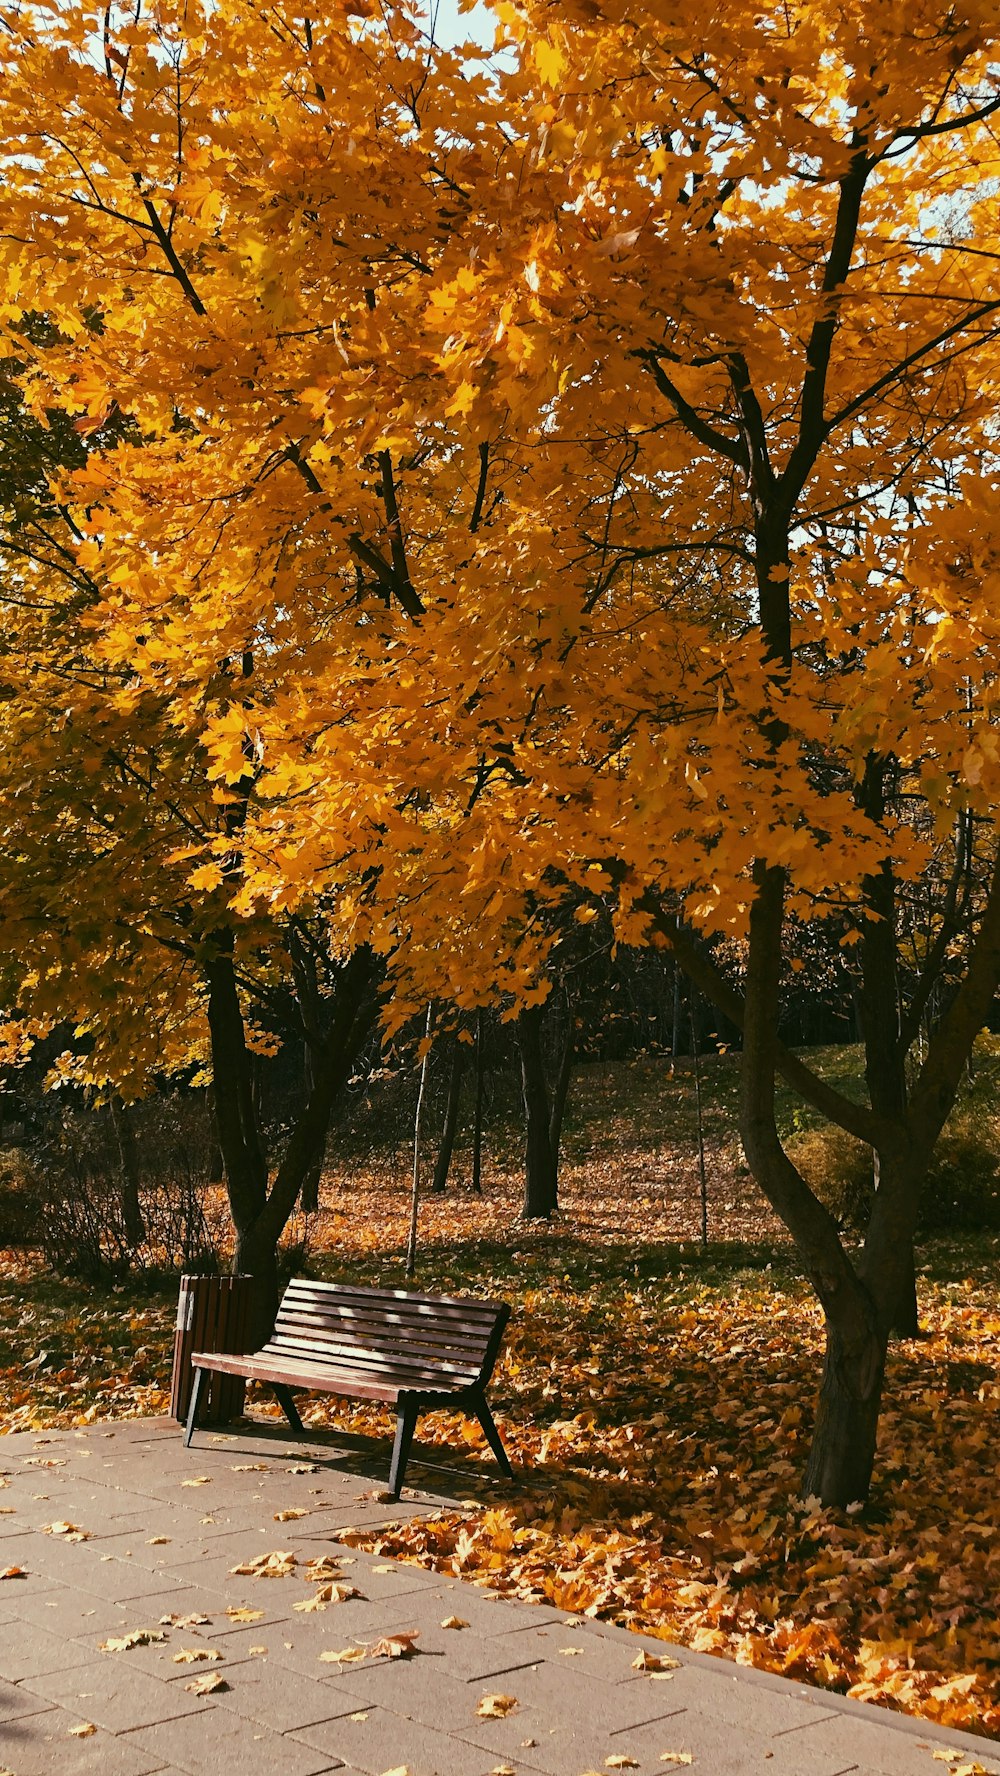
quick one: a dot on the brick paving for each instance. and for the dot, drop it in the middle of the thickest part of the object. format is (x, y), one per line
(165, 1527)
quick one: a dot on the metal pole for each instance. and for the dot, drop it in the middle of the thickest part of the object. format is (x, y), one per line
(411, 1244)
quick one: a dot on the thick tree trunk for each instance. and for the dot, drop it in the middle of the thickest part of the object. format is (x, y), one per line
(842, 1455)
(310, 1183)
(128, 1154)
(260, 1216)
(540, 1184)
(447, 1147)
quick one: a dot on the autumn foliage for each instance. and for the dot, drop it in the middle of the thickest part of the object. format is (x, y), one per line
(512, 484)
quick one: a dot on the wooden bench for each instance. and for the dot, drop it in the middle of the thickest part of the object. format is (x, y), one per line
(415, 1351)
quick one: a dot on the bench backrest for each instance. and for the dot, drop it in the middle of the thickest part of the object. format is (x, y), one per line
(412, 1340)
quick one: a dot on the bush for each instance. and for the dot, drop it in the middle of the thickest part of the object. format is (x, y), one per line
(19, 1202)
(960, 1193)
(90, 1223)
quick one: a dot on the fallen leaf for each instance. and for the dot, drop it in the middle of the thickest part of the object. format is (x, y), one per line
(503, 1770)
(291, 1514)
(133, 1637)
(249, 1467)
(676, 1757)
(157, 1541)
(495, 1707)
(83, 1731)
(396, 1646)
(303, 1468)
(621, 1761)
(335, 1592)
(255, 1652)
(240, 1613)
(13, 1572)
(207, 1685)
(346, 1656)
(192, 1621)
(570, 1652)
(360, 1716)
(454, 1622)
(278, 1565)
(323, 1566)
(68, 1532)
(200, 1480)
(196, 1655)
(400, 1770)
(654, 1662)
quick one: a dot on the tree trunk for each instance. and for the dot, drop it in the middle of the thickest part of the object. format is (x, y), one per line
(540, 1189)
(477, 1124)
(215, 1164)
(448, 1133)
(260, 1216)
(128, 1153)
(842, 1455)
(310, 1183)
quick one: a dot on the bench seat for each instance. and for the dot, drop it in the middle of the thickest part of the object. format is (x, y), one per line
(412, 1351)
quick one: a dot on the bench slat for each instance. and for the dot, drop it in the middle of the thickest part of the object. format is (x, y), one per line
(366, 1362)
(370, 1332)
(400, 1299)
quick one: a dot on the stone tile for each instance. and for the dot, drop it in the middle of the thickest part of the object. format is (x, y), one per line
(85, 1567)
(568, 1697)
(15, 1702)
(218, 1739)
(486, 1611)
(385, 1741)
(716, 1748)
(44, 1745)
(12, 1526)
(732, 1696)
(109, 1692)
(418, 1688)
(265, 1691)
(75, 1614)
(872, 1746)
(29, 1651)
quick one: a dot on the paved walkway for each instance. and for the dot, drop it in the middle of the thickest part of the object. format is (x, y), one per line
(165, 1527)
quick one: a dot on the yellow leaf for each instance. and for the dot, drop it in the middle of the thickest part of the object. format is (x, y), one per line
(206, 1686)
(83, 1731)
(195, 1655)
(496, 1706)
(676, 1757)
(454, 1622)
(240, 1613)
(654, 1662)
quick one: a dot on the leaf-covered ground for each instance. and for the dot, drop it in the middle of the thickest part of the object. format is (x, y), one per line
(658, 1402)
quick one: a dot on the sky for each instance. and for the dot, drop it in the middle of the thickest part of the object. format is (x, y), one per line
(455, 28)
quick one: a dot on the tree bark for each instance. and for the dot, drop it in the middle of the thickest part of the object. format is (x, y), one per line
(310, 1183)
(540, 1182)
(447, 1146)
(842, 1454)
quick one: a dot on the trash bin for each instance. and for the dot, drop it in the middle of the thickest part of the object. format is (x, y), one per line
(213, 1314)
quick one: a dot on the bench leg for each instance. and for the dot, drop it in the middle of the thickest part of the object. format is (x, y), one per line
(405, 1426)
(486, 1419)
(192, 1417)
(287, 1403)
